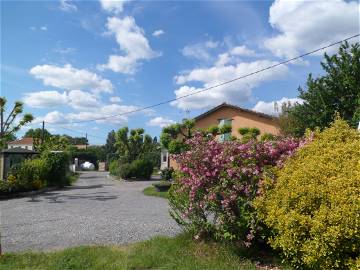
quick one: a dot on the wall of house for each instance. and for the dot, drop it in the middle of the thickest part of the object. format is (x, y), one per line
(23, 146)
(239, 119)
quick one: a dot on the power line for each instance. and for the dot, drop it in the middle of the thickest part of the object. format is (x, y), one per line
(79, 132)
(217, 85)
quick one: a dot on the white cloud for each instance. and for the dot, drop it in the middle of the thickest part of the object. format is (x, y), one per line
(67, 77)
(115, 6)
(232, 56)
(200, 51)
(273, 107)
(81, 100)
(133, 44)
(160, 122)
(77, 99)
(307, 25)
(115, 99)
(158, 33)
(54, 117)
(242, 51)
(67, 6)
(235, 92)
(44, 99)
(40, 28)
(111, 111)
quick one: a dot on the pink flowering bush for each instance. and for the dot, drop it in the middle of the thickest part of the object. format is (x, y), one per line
(217, 182)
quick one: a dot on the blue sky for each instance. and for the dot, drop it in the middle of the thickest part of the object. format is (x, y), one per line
(72, 61)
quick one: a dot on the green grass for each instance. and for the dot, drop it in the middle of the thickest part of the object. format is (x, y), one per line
(162, 253)
(151, 191)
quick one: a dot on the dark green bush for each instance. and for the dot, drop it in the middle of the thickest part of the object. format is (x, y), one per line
(114, 167)
(58, 165)
(140, 168)
(267, 137)
(125, 171)
(167, 174)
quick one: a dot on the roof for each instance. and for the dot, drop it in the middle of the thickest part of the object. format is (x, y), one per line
(226, 105)
(25, 140)
(18, 150)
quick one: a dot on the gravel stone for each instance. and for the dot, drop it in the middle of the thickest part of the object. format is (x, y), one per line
(96, 210)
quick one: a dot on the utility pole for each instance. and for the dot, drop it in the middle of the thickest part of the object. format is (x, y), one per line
(43, 133)
(86, 141)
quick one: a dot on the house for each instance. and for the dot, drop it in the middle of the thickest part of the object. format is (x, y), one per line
(232, 115)
(24, 143)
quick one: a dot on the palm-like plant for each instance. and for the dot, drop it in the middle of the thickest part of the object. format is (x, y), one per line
(7, 125)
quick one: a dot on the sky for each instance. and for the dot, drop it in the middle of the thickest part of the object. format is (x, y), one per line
(74, 61)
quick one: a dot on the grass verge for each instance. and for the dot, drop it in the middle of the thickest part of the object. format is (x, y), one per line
(178, 253)
(151, 191)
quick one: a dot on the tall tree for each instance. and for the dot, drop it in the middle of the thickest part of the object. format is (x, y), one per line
(336, 91)
(134, 144)
(110, 143)
(7, 125)
(173, 136)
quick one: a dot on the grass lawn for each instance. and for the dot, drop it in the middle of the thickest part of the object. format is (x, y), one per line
(176, 253)
(151, 191)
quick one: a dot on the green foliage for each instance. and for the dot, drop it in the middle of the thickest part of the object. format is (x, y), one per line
(313, 205)
(176, 146)
(50, 169)
(267, 137)
(251, 131)
(173, 136)
(336, 91)
(142, 169)
(152, 191)
(7, 126)
(134, 144)
(125, 171)
(139, 169)
(213, 130)
(31, 174)
(110, 143)
(58, 166)
(248, 134)
(165, 253)
(225, 129)
(167, 174)
(114, 167)
(53, 143)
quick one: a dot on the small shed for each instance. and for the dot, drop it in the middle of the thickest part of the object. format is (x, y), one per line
(10, 157)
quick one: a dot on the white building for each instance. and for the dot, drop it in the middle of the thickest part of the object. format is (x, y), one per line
(24, 143)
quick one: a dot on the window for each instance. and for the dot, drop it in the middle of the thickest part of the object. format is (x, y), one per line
(225, 136)
(26, 147)
(164, 157)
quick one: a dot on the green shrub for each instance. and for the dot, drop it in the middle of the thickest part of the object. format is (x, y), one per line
(313, 207)
(140, 168)
(28, 175)
(167, 173)
(114, 167)
(58, 165)
(267, 137)
(125, 171)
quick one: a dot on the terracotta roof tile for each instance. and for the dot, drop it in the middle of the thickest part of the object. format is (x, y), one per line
(22, 141)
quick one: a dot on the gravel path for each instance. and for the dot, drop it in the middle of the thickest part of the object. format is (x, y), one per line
(97, 210)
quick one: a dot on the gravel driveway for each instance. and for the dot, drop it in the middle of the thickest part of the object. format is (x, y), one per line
(97, 210)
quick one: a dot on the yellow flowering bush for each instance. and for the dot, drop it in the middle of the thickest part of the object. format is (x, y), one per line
(312, 204)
